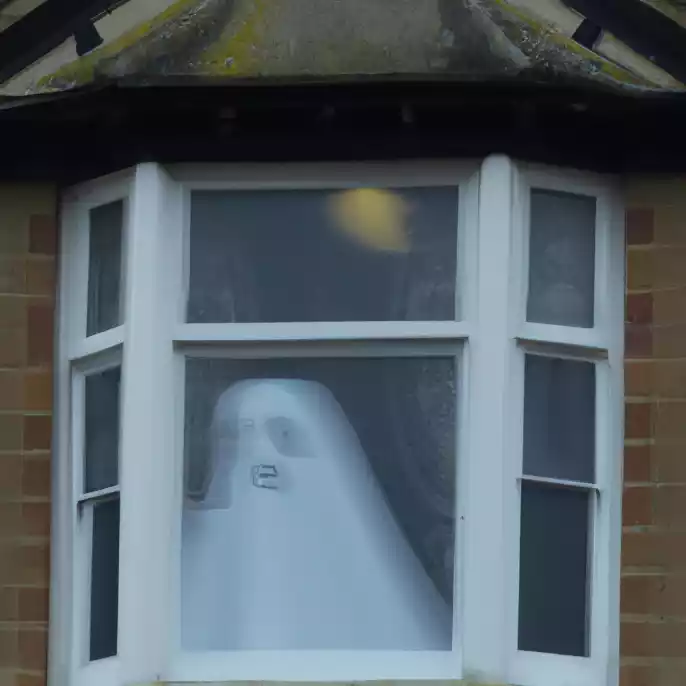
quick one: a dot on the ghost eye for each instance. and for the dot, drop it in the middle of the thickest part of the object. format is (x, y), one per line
(287, 437)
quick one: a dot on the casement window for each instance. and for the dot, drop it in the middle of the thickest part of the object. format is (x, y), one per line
(339, 422)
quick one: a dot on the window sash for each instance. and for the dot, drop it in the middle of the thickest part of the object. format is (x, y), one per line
(295, 177)
(492, 331)
(602, 344)
(77, 203)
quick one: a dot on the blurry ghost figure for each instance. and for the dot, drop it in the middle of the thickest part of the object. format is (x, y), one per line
(292, 544)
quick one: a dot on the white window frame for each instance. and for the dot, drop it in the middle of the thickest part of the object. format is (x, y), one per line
(488, 340)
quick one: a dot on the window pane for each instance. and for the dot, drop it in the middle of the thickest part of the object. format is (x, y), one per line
(559, 419)
(102, 430)
(320, 500)
(323, 255)
(561, 259)
(104, 267)
(553, 573)
(104, 580)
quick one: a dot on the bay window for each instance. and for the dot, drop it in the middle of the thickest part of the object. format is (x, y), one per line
(339, 422)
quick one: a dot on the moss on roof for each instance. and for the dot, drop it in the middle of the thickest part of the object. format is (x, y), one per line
(253, 38)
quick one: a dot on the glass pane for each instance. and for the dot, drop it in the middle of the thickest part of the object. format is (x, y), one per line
(553, 570)
(320, 500)
(561, 259)
(104, 267)
(559, 418)
(102, 430)
(104, 580)
(360, 254)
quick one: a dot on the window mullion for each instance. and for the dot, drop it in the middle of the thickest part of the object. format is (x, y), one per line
(612, 440)
(63, 515)
(147, 411)
(483, 591)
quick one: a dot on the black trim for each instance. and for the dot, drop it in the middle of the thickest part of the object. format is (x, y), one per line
(69, 137)
(643, 28)
(43, 29)
(587, 34)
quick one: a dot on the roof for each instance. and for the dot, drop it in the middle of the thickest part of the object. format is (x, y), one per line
(533, 40)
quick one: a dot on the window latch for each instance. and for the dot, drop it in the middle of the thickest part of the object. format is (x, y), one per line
(265, 476)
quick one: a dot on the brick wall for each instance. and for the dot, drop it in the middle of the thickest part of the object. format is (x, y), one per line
(27, 267)
(653, 638)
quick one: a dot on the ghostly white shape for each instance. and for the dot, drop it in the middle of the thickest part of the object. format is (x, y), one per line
(318, 562)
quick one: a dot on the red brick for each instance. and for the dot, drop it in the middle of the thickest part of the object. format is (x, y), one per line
(38, 391)
(11, 431)
(669, 462)
(12, 347)
(640, 225)
(10, 519)
(40, 334)
(638, 377)
(9, 605)
(669, 306)
(12, 311)
(33, 604)
(37, 432)
(638, 420)
(669, 423)
(640, 266)
(670, 225)
(12, 275)
(637, 506)
(31, 680)
(42, 234)
(639, 308)
(654, 594)
(638, 340)
(654, 549)
(24, 564)
(668, 673)
(35, 480)
(669, 379)
(637, 463)
(637, 675)
(653, 639)
(33, 649)
(10, 476)
(670, 506)
(40, 277)
(669, 341)
(668, 264)
(9, 647)
(11, 390)
(36, 519)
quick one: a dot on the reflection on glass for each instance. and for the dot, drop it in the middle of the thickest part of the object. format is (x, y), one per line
(319, 509)
(553, 574)
(101, 454)
(374, 218)
(559, 419)
(104, 267)
(561, 258)
(323, 255)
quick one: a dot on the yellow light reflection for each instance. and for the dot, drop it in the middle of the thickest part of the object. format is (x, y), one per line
(372, 217)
